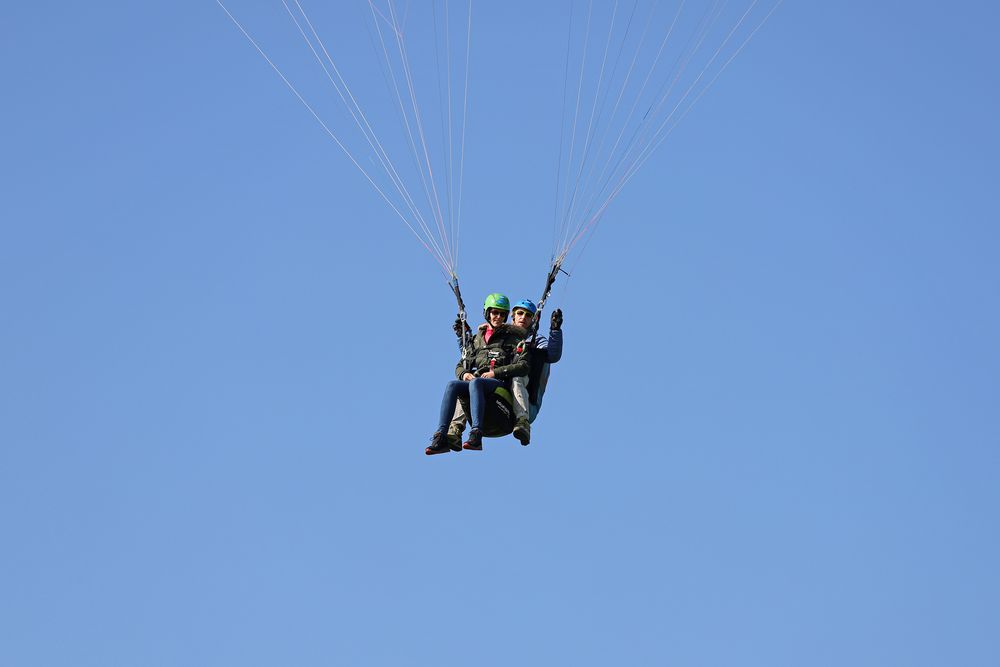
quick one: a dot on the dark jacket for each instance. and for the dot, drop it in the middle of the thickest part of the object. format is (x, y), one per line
(501, 350)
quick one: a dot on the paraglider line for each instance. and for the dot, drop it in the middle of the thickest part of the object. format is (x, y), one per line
(331, 134)
(354, 108)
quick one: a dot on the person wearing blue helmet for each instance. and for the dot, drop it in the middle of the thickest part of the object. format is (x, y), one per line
(527, 390)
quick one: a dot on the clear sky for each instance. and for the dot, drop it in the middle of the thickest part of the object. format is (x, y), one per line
(772, 439)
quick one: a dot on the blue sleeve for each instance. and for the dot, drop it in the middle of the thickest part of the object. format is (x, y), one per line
(555, 346)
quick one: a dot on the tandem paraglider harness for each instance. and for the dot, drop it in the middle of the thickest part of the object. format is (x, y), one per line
(499, 419)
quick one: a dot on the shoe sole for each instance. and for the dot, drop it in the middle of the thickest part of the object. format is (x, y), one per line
(431, 452)
(472, 448)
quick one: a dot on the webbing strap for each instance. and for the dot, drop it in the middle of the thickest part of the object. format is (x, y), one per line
(549, 282)
(463, 334)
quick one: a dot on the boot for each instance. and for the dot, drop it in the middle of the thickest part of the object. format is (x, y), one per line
(455, 440)
(475, 441)
(522, 430)
(439, 444)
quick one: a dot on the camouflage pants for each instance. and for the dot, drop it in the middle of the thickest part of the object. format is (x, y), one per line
(518, 388)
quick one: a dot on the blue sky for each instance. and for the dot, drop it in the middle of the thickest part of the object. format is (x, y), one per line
(772, 439)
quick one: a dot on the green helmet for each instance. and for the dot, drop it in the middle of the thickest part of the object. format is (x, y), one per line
(495, 301)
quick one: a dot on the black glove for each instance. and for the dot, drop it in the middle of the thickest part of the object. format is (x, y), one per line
(556, 323)
(457, 328)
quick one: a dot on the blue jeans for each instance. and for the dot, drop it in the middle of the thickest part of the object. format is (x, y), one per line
(477, 391)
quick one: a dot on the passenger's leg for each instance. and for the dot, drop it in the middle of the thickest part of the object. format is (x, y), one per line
(440, 443)
(480, 391)
(452, 392)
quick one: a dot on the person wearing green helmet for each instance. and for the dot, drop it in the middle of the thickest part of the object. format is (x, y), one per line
(492, 361)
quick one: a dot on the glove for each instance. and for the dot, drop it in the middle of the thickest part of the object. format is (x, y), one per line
(457, 328)
(556, 323)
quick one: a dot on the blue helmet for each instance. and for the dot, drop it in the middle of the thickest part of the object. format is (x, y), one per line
(527, 305)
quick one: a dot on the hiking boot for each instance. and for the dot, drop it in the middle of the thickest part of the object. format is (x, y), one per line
(439, 444)
(522, 431)
(455, 440)
(475, 441)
